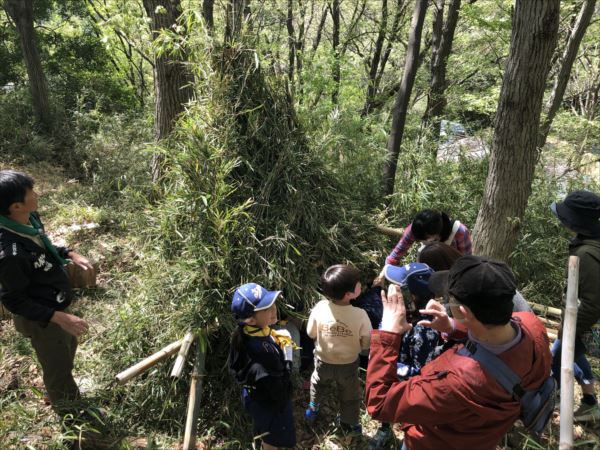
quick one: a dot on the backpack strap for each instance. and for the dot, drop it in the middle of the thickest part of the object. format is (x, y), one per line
(455, 226)
(503, 374)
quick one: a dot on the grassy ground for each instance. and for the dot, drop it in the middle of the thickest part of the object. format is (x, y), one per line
(101, 230)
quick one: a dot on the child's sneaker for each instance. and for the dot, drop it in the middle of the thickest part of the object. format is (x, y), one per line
(311, 413)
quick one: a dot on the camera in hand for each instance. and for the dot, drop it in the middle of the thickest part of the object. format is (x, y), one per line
(412, 313)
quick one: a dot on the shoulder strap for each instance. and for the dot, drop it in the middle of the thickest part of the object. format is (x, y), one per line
(455, 226)
(503, 374)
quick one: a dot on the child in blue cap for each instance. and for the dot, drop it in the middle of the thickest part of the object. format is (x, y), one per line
(420, 345)
(260, 359)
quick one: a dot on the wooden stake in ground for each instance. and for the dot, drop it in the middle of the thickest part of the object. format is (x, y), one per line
(150, 361)
(567, 356)
(189, 437)
(182, 356)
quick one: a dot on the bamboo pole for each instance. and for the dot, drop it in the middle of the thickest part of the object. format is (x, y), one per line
(567, 356)
(182, 356)
(193, 410)
(392, 232)
(150, 361)
(547, 310)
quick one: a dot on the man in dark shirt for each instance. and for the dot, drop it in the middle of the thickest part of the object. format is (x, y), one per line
(580, 214)
(34, 286)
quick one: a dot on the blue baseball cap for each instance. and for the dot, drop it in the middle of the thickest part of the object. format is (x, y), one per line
(415, 276)
(251, 297)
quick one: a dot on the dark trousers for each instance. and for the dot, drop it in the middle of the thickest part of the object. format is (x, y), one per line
(579, 359)
(55, 350)
(348, 387)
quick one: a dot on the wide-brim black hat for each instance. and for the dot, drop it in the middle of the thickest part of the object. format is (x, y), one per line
(580, 212)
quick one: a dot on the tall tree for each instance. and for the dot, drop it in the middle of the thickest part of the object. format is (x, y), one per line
(443, 37)
(566, 64)
(208, 14)
(336, 71)
(375, 59)
(21, 13)
(172, 79)
(516, 128)
(411, 64)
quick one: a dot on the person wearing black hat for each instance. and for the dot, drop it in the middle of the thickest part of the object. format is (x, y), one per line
(455, 403)
(580, 213)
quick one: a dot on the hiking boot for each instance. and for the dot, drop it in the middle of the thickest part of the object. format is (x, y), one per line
(381, 438)
(587, 413)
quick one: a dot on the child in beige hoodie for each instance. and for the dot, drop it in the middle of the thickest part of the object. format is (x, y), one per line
(340, 331)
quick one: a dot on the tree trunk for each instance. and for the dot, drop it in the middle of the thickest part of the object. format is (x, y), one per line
(402, 98)
(319, 32)
(567, 60)
(443, 36)
(172, 79)
(234, 19)
(374, 66)
(291, 43)
(516, 128)
(208, 14)
(21, 12)
(336, 71)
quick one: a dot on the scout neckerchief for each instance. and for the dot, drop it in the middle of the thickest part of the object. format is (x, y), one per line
(35, 229)
(281, 339)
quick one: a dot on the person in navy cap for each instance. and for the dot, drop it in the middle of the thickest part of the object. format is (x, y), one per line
(421, 344)
(580, 214)
(260, 360)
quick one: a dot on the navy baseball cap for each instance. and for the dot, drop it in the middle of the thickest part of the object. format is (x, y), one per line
(415, 276)
(250, 298)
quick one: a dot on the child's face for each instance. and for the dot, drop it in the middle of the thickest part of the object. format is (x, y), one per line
(264, 318)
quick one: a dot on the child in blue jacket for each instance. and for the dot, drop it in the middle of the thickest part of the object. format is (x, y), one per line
(260, 359)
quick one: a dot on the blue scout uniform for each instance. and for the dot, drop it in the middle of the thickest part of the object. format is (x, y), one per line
(261, 369)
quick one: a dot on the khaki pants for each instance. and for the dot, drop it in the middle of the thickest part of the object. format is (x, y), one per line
(55, 350)
(348, 387)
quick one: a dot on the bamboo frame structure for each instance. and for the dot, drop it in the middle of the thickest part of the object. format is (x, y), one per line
(567, 356)
(392, 232)
(150, 361)
(182, 356)
(193, 410)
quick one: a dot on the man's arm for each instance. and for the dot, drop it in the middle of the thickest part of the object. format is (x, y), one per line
(422, 399)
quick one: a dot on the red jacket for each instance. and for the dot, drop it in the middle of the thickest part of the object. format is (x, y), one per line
(454, 403)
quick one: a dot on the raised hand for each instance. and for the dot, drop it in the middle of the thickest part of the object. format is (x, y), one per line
(394, 311)
(439, 317)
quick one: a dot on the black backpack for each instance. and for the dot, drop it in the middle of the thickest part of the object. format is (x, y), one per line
(536, 405)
